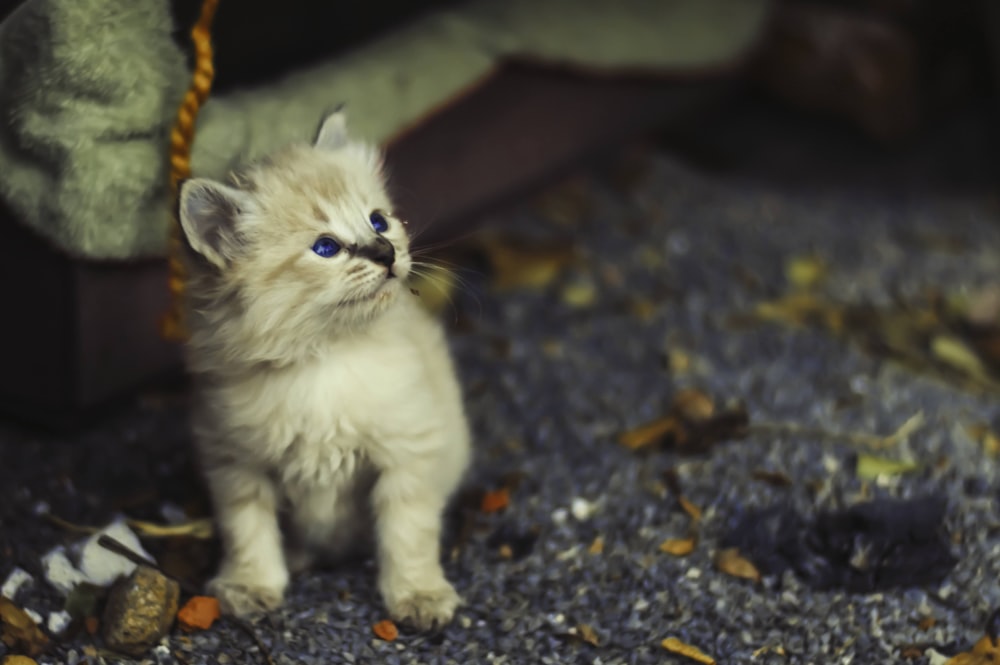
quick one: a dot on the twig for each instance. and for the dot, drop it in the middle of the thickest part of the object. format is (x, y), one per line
(858, 438)
(112, 545)
(248, 628)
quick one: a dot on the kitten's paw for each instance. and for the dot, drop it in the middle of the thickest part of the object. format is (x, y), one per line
(241, 599)
(425, 609)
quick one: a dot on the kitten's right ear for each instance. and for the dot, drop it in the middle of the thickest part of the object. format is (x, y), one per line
(209, 215)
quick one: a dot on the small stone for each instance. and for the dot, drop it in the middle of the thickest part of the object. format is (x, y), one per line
(58, 622)
(17, 579)
(35, 616)
(139, 611)
(582, 509)
(100, 565)
(559, 516)
(60, 571)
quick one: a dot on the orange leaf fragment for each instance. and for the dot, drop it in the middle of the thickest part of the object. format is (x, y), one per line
(495, 501)
(678, 546)
(731, 562)
(597, 547)
(386, 630)
(199, 613)
(650, 433)
(693, 511)
(91, 624)
(674, 645)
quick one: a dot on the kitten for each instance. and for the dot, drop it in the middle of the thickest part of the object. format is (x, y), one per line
(326, 395)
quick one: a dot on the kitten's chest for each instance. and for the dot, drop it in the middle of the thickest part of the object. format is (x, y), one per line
(318, 423)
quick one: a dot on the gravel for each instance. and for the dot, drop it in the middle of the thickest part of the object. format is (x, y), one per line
(549, 404)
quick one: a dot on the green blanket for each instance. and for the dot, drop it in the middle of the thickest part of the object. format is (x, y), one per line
(90, 90)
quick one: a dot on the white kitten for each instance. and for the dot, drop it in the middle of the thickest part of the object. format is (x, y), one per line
(325, 393)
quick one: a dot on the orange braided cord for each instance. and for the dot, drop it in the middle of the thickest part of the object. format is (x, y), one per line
(181, 140)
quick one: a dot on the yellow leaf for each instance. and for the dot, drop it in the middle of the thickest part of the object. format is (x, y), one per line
(674, 645)
(200, 528)
(805, 272)
(596, 547)
(871, 467)
(579, 294)
(956, 353)
(678, 546)
(526, 265)
(731, 562)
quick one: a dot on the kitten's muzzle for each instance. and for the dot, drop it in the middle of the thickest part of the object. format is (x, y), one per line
(381, 252)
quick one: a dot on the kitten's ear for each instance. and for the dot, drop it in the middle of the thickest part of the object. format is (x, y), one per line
(332, 134)
(209, 215)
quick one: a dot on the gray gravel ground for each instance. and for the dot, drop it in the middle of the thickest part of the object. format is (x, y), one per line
(551, 385)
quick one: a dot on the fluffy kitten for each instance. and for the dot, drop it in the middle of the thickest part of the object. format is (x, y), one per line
(326, 395)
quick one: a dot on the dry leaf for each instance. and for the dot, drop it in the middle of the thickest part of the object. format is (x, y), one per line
(732, 563)
(778, 650)
(805, 272)
(693, 511)
(649, 434)
(587, 634)
(506, 551)
(199, 613)
(871, 467)
(526, 264)
(986, 438)
(19, 660)
(693, 405)
(579, 294)
(674, 645)
(596, 547)
(678, 546)
(386, 630)
(955, 352)
(495, 501)
(91, 625)
(200, 528)
(19, 631)
(926, 623)
(985, 652)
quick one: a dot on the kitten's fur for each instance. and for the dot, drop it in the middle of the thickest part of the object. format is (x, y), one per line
(326, 394)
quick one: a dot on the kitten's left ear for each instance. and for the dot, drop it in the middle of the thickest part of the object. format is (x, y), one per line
(332, 134)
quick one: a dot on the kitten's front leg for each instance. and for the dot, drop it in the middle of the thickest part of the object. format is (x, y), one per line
(253, 574)
(408, 510)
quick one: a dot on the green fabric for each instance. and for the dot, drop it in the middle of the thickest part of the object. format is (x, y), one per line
(91, 88)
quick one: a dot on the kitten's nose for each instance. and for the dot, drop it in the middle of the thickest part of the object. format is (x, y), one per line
(381, 252)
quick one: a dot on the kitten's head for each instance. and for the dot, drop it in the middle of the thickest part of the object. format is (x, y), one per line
(305, 241)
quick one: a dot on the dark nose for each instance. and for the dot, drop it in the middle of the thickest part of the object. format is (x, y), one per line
(381, 252)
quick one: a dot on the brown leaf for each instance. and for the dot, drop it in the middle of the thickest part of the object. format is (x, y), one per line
(674, 645)
(596, 547)
(926, 623)
(587, 634)
(776, 478)
(984, 652)
(678, 546)
(693, 511)
(732, 563)
(19, 631)
(649, 434)
(692, 405)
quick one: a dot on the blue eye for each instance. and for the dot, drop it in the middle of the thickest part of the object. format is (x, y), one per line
(326, 247)
(378, 222)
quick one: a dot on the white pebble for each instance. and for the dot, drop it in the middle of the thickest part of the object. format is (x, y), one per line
(17, 579)
(58, 621)
(582, 509)
(60, 571)
(559, 516)
(935, 658)
(693, 573)
(35, 616)
(100, 565)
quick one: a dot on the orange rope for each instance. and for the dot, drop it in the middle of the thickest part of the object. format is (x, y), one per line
(181, 140)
